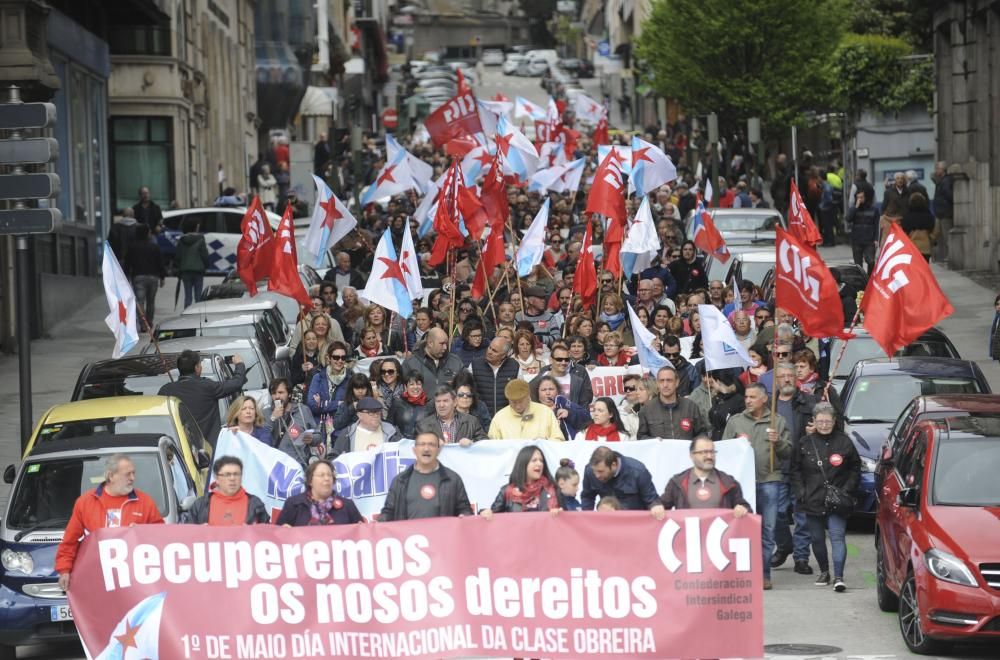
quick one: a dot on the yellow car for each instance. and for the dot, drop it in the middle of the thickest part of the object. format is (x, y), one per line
(163, 415)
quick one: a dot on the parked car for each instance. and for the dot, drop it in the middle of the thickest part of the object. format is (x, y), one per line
(139, 375)
(937, 535)
(743, 227)
(247, 324)
(512, 62)
(221, 227)
(51, 478)
(932, 343)
(492, 57)
(233, 288)
(160, 415)
(536, 67)
(259, 373)
(580, 68)
(878, 390)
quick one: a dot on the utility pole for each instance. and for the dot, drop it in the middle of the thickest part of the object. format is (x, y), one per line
(713, 141)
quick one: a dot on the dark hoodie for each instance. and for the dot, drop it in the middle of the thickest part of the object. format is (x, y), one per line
(192, 253)
(863, 220)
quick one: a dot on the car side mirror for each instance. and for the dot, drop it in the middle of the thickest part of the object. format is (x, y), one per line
(8, 474)
(909, 497)
(187, 503)
(887, 456)
(202, 460)
(282, 353)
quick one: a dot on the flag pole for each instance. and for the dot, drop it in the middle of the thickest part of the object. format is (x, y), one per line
(774, 388)
(486, 278)
(154, 341)
(513, 244)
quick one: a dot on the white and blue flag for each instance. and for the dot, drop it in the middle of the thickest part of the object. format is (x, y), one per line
(642, 243)
(718, 341)
(532, 247)
(387, 284)
(137, 635)
(650, 359)
(651, 168)
(121, 302)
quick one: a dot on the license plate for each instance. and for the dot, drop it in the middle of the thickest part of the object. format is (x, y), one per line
(61, 613)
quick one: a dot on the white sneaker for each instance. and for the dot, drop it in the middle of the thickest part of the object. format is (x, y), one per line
(839, 586)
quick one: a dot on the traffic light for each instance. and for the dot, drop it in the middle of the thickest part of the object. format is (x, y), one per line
(18, 185)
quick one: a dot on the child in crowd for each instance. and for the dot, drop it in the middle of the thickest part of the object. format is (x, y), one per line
(568, 482)
(609, 503)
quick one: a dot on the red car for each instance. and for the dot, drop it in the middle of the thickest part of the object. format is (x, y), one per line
(938, 521)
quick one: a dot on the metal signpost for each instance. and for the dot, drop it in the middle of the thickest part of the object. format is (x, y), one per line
(21, 220)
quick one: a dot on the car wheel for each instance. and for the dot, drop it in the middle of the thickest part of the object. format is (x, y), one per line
(887, 601)
(909, 621)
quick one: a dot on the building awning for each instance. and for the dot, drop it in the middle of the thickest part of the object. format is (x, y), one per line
(319, 101)
(374, 35)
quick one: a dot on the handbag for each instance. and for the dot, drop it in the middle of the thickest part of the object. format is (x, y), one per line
(835, 499)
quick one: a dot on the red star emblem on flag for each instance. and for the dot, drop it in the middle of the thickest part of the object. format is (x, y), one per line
(392, 270)
(122, 312)
(640, 154)
(484, 158)
(127, 639)
(331, 213)
(503, 143)
(386, 176)
(403, 264)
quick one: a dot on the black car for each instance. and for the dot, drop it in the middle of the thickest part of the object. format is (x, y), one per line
(578, 67)
(143, 374)
(932, 343)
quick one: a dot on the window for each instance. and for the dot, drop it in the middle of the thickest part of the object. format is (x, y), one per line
(142, 155)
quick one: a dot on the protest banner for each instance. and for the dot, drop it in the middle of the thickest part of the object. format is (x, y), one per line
(607, 381)
(528, 585)
(365, 476)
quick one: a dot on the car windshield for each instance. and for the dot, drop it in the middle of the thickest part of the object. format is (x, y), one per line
(965, 467)
(756, 270)
(100, 386)
(736, 222)
(248, 330)
(48, 489)
(882, 398)
(864, 348)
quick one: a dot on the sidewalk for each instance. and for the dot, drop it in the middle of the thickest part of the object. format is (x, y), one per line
(56, 362)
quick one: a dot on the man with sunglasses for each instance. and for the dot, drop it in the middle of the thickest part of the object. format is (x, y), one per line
(574, 382)
(703, 486)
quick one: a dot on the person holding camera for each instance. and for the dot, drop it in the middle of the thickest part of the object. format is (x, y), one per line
(293, 427)
(825, 470)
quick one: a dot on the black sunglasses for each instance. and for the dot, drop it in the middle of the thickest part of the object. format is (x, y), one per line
(565, 359)
(629, 388)
(388, 372)
(338, 356)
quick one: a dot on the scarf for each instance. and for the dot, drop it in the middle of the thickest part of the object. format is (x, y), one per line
(416, 400)
(529, 497)
(335, 380)
(809, 383)
(389, 394)
(620, 361)
(609, 432)
(613, 320)
(319, 510)
(371, 352)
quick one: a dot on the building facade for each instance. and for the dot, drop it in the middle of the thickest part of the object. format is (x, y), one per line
(967, 72)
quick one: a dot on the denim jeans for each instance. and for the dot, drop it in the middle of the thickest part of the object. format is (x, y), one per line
(794, 543)
(768, 496)
(193, 283)
(836, 525)
(145, 287)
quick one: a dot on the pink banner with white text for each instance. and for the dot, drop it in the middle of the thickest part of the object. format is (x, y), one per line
(577, 585)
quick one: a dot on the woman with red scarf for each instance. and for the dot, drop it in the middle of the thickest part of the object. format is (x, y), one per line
(607, 426)
(613, 355)
(411, 406)
(371, 344)
(531, 487)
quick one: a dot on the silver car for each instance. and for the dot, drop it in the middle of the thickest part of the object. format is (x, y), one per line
(743, 227)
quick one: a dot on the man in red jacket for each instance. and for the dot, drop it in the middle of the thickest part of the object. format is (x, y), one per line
(115, 503)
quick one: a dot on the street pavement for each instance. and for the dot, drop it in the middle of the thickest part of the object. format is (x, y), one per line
(799, 618)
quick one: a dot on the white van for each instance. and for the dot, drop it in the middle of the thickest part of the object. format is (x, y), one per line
(547, 54)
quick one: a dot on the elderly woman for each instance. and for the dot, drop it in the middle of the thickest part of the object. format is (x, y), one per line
(318, 504)
(825, 456)
(613, 355)
(531, 487)
(607, 425)
(245, 415)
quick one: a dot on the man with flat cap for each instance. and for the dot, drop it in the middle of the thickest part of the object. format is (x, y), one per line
(369, 432)
(522, 418)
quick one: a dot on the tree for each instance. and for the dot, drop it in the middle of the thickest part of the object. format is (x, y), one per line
(872, 72)
(753, 58)
(908, 20)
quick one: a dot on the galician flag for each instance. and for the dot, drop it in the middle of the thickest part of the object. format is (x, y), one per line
(532, 247)
(387, 284)
(722, 349)
(651, 360)
(121, 300)
(651, 168)
(331, 221)
(421, 172)
(394, 178)
(622, 154)
(641, 242)
(569, 181)
(137, 635)
(525, 108)
(520, 156)
(411, 267)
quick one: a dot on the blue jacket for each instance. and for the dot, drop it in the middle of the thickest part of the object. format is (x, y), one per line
(662, 272)
(321, 385)
(633, 486)
(466, 354)
(579, 417)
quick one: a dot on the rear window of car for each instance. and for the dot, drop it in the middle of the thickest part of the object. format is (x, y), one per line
(82, 428)
(882, 398)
